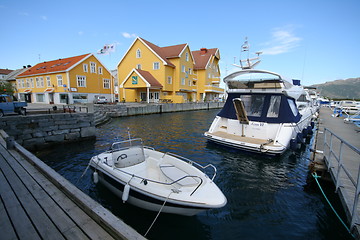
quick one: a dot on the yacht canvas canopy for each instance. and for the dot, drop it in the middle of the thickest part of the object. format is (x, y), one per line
(263, 107)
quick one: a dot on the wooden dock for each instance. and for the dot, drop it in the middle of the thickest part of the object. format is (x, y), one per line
(38, 203)
(337, 144)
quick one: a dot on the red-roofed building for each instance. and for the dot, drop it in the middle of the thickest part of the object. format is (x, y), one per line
(77, 79)
(151, 73)
(4, 73)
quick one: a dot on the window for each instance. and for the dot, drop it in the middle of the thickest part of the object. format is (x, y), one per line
(253, 104)
(80, 98)
(274, 107)
(138, 66)
(187, 56)
(169, 80)
(183, 68)
(37, 82)
(85, 66)
(183, 81)
(27, 83)
(92, 67)
(189, 82)
(81, 81)
(40, 98)
(106, 83)
(19, 83)
(48, 81)
(41, 81)
(100, 70)
(59, 80)
(156, 65)
(138, 53)
(31, 82)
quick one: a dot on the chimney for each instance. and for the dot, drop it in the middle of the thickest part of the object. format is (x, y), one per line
(203, 51)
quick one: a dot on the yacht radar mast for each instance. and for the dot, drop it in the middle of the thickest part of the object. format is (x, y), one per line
(248, 63)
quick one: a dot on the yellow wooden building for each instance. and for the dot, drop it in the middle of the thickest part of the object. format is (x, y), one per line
(78, 79)
(149, 73)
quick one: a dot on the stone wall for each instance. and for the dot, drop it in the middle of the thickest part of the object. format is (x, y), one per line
(40, 131)
(120, 110)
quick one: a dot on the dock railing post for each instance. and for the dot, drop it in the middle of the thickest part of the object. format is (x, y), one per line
(356, 201)
(340, 165)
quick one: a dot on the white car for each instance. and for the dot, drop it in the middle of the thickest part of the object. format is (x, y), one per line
(100, 99)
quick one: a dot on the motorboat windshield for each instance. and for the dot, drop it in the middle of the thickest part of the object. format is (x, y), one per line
(255, 79)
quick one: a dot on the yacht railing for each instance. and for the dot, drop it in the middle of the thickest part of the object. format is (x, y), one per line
(334, 156)
(198, 165)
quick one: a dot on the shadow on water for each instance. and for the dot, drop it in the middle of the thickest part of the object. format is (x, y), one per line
(268, 198)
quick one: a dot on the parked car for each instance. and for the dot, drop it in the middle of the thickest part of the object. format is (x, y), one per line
(8, 105)
(100, 99)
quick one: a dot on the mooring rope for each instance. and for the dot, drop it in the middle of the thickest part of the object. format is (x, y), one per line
(327, 200)
(158, 214)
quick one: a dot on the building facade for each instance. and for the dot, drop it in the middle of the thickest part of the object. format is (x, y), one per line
(149, 73)
(77, 79)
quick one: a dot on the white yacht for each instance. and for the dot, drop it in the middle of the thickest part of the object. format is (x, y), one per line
(263, 113)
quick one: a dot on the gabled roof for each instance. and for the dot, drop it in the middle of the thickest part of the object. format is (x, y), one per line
(5, 71)
(202, 57)
(60, 65)
(149, 79)
(14, 74)
(164, 53)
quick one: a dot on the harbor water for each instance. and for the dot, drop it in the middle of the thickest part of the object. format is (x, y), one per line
(268, 197)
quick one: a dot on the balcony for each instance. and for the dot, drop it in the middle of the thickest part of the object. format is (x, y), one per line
(213, 89)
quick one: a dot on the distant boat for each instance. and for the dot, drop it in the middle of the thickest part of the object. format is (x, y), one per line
(156, 181)
(263, 113)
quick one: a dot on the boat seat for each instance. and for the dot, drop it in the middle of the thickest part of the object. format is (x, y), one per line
(174, 173)
(128, 157)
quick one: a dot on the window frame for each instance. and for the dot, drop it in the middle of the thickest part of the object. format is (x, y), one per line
(81, 81)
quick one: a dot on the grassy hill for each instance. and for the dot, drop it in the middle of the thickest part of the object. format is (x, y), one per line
(340, 89)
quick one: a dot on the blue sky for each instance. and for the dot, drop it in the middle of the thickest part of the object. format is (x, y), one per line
(316, 41)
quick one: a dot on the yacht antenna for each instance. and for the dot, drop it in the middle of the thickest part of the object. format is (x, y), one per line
(248, 63)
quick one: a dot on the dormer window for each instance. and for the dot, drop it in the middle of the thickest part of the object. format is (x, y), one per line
(138, 53)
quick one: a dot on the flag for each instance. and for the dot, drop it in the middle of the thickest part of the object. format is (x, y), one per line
(108, 48)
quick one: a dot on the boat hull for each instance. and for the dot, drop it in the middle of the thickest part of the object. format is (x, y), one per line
(149, 201)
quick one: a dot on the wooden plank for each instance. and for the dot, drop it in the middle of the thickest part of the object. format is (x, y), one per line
(61, 220)
(7, 232)
(76, 215)
(112, 224)
(20, 221)
(39, 218)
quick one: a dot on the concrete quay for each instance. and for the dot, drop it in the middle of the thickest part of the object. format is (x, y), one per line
(337, 156)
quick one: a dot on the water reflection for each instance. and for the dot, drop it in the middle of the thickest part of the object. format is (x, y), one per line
(267, 198)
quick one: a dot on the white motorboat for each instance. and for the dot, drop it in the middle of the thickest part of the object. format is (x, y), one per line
(157, 181)
(261, 113)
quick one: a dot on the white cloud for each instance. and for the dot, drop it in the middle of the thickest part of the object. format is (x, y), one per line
(80, 33)
(24, 14)
(129, 35)
(283, 40)
(44, 18)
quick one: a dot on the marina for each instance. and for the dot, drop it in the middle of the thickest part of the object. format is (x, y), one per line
(268, 197)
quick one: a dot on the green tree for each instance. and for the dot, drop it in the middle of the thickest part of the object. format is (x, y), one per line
(6, 88)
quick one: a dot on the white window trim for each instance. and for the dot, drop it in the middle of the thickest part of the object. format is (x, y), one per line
(138, 53)
(85, 67)
(156, 65)
(107, 82)
(59, 78)
(78, 79)
(100, 70)
(92, 67)
(169, 80)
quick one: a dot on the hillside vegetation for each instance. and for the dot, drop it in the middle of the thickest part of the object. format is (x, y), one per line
(340, 89)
